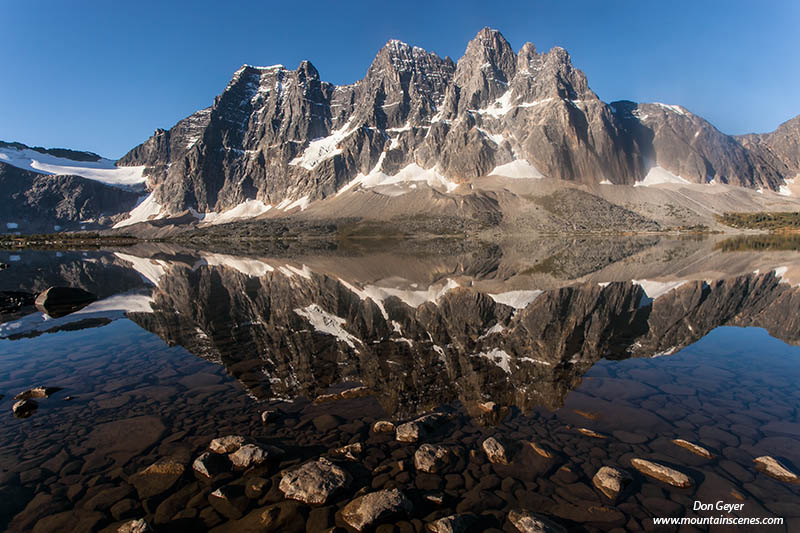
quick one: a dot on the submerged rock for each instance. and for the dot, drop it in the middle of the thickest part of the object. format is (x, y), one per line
(24, 408)
(432, 458)
(227, 444)
(495, 451)
(37, 392)
(229, 501)
(382, 426)
(417, 429)
(268, 416)
(611, 481)
(314, 482)
(774, 468)
(351, 452)
(210, 464)
(370, 509)
(540, 450)
(157, 478)
(694, 448)
(662, 473)
(459, 523)
(61, 301)
(135, 526)
(591, 433)
(252, 455)
(528, 522)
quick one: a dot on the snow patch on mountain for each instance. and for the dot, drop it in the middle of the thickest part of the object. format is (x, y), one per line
(658, 176)
(147, 209)
(409, 174)
(104, 170)
(247, 209)
(518, 169)
(516, 299)
(322, 148)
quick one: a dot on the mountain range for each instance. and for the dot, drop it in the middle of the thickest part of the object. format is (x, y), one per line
(516, 140)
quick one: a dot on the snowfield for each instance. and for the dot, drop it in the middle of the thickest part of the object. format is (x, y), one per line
(104, 170)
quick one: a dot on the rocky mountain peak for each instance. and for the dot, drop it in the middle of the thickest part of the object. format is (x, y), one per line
(485, 70)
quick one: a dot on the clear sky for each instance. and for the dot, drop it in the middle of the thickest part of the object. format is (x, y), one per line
(102, 75)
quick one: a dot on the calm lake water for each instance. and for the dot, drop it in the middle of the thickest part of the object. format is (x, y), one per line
(596, 351)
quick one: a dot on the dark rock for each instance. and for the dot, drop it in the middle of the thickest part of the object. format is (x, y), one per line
(61, 301)
(229, 501)
(158, 477)
(24, 408)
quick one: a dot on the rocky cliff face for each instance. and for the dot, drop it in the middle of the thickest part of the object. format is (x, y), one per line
(31, 202)
(283, 138)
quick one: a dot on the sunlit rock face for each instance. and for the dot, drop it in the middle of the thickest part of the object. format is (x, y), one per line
(285, 330)
(284, 137)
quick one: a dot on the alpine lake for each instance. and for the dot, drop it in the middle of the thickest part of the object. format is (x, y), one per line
(581, 384)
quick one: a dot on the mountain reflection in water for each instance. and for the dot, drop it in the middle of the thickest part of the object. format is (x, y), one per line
(517, 325)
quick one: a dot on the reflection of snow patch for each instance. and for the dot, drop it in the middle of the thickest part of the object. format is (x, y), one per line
(654, 289)
(516, 299)
(12, 225)
(518, 169)
(325, 322)
(498, 357)
(249, 267)
(150, 269)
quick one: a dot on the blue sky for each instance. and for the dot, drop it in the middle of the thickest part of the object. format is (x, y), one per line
(103, 75)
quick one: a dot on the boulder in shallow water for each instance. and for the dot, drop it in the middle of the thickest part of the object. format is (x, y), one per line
(157, 478)
(24, 408)
(314, 482)
(61, 301)
(528, 522)
(374, 508)
(227, 444)
(611, 481)
(135, 526)
(665, 474)
(210, 464)
(495, 452)
(37, 392)
(774, 468)
(252, 455)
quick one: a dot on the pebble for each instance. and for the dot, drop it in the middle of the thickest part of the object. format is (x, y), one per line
(495, 452)
(611, 481)
(694, 448)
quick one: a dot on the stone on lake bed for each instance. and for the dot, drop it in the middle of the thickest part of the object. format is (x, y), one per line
(370, 509)
(227, 444)
(662, 473)
(611, 481)
(495, 451)
(37, 392)
(528, 522)
(591, 433)
(268, 416)
(24, 408)
(432, 458)
(314, 482)
(774, 468)
(210, 464)
(540, 450)
(417, 429)
(351, 452)
(694, 448)
(134, 526)
(158, 477)
(251, 455)
(458, 523)
(382, 426)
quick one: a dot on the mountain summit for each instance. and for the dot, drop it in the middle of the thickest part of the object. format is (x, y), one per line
(438, 133)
